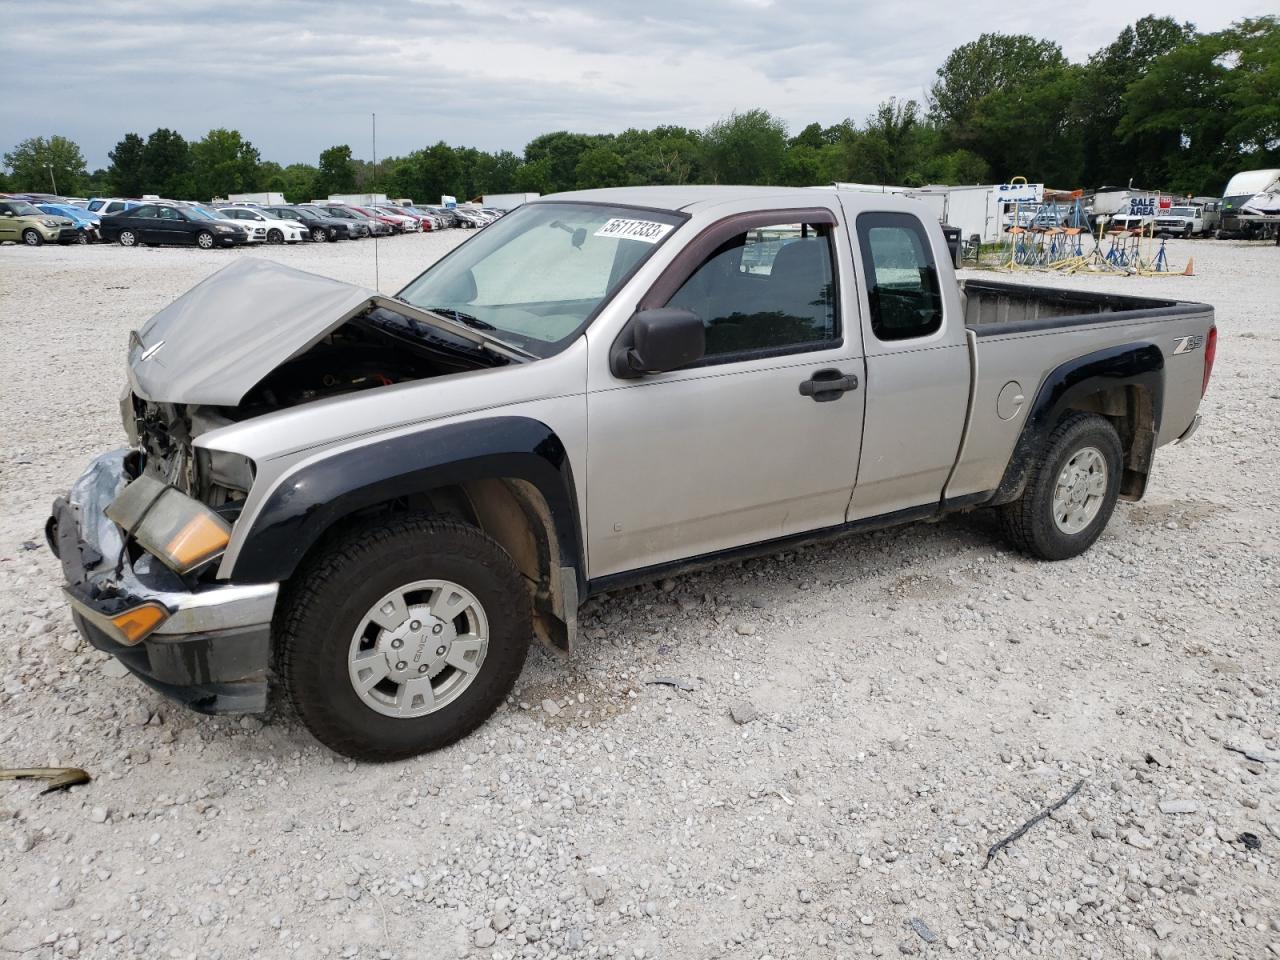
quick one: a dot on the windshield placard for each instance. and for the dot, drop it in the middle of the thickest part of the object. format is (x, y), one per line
(646, 231)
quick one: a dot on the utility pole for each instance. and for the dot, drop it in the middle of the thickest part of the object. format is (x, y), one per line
(49, 167)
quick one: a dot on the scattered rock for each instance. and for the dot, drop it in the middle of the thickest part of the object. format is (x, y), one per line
(745, 629)
(485, 937)
(550, 708)
(1179, 805)
(743, 711)
(596, 888)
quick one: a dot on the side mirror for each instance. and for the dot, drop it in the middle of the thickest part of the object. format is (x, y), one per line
(662, 339)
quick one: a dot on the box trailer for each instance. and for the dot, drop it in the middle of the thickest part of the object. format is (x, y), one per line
(359, 199)
(261, 199)
(507, 201)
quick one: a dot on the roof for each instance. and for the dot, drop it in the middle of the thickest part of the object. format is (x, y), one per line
(686, 197)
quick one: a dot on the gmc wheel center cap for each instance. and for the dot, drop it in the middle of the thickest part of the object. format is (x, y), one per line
(418, 646)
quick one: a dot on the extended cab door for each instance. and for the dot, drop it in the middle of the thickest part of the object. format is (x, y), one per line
(746, 445)
(918, 360)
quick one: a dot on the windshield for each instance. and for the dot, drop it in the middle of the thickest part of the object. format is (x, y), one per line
(1182, 212)
(297, 213)
(540, 273)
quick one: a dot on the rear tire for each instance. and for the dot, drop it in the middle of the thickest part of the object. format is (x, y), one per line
(1070, 493)
(338, 628)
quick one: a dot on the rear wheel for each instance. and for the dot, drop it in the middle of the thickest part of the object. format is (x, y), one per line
(32, 237)
(1071, 492)
(128, 238)
(403, 638)
(204, 240)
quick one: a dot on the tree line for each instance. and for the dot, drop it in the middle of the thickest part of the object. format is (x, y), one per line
(1161, 106)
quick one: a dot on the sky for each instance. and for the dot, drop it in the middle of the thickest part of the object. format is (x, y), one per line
(297, 76)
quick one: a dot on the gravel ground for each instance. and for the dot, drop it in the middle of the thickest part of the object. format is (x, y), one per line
(863, 719)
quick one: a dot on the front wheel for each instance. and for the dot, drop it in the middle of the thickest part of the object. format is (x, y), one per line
(1071, 492)
(204, 240)
(333, 234)
(128, 238)
(403, 638)
(32, 238)
(275, 236)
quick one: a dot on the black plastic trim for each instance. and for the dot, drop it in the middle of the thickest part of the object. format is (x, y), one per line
(928, 511)
(1133, 364)
(312, 499)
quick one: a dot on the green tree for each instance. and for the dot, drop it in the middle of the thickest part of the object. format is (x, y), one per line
(993, 62)
(36, 164)
(166, 164)
(1032, 128)
(1108, 160)
(745, 148)
(337, 172)
(601, 166)
(562, 152)
(127, 172)
(224, 163)
(886, 150)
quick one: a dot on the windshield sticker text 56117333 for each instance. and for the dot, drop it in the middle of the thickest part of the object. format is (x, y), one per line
(646, 231)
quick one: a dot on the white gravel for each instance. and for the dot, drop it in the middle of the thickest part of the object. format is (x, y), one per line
(864, 719)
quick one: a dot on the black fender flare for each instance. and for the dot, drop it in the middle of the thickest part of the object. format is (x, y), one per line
(1131, 364)
(309, 501)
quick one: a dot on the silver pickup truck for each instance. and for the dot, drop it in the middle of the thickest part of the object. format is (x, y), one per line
(384, 499)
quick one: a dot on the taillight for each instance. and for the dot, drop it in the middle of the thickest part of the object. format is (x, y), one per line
(1210, 352)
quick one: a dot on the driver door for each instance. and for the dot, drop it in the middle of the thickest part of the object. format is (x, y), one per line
(8, 223)
(739, 448)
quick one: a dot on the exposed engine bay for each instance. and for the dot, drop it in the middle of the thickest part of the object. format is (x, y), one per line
(379, 348)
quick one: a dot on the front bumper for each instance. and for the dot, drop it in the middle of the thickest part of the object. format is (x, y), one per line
(212, 651)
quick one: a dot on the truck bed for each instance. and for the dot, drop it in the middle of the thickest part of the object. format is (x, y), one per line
(991, 307)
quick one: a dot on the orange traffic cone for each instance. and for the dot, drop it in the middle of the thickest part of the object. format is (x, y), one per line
(1191, 267)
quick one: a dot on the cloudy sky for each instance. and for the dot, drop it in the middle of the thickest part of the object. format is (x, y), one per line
(296, 76)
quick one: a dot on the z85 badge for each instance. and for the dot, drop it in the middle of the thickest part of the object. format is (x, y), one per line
(1187, 344)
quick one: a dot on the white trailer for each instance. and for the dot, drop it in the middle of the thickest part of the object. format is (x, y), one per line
(507, 201)
(359, 199)
(261, 199)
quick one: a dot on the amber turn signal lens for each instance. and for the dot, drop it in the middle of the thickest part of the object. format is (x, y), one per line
(200, 538)
(135, 624)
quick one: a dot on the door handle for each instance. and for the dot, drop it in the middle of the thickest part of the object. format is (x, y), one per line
(827, 385)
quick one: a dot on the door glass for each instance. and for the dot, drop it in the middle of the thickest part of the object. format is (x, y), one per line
(764, 290)
(902, 281)
(146, 212)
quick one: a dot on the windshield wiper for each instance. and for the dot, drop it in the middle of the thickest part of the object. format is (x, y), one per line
(474, 322)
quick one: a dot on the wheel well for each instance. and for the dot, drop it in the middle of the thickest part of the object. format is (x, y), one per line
(517, 516)
(1131, 410)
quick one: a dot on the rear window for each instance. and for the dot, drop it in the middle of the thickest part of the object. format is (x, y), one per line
(901, 277)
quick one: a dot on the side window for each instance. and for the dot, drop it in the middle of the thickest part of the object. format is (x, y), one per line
(902, 281)
(765, 290)
(146, 211)
(5, 208)
(168, 213)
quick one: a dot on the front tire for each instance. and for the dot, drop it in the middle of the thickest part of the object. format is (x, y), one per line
(204, 240)
(32, 237)
(128, 238)
(1071, 492)
(333, 234)
(403, 638)
(275, 236)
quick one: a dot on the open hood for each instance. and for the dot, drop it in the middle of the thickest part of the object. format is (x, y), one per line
(218, 340)
(221, 337)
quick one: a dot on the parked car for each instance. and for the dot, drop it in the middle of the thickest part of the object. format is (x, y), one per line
(322, 226)
(469, 219)
(86, 223)
(103, 206)
(388, 497)
(407, 221)
(164, 224)
(374, 228)
(398, 224)
(274, 228)
(23, 222)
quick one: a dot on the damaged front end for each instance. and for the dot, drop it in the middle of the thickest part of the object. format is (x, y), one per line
(140, 533)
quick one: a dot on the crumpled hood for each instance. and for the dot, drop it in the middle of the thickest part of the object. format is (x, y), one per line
(219, 339)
